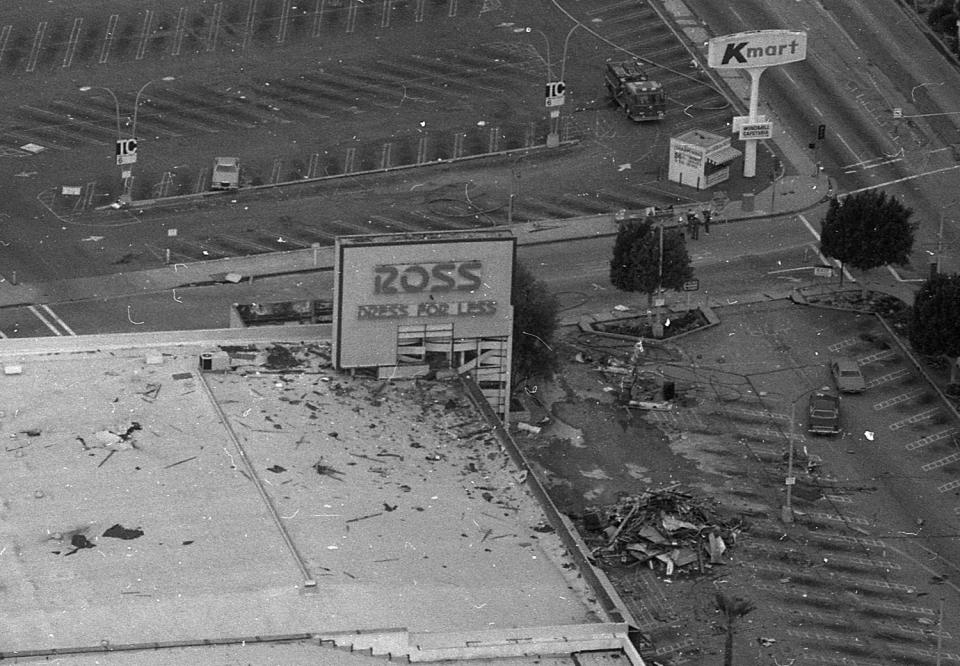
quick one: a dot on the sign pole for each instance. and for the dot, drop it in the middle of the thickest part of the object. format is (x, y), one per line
(750, 145)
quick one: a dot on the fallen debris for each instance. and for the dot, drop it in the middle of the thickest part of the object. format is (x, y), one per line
(326, 470)
(118, 531)
(663, 528)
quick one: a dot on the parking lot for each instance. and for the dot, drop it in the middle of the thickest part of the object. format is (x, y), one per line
(859, 573)
(306, 90)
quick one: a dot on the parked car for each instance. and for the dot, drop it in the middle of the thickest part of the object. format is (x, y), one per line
(226, 173)
(847, 376)
(823, 412)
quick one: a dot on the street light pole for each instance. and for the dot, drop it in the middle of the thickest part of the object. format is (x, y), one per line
(136, 104)
(116, 103)
(126, 174)
(786, 513)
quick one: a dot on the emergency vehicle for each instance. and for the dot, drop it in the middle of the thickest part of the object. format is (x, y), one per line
(641, 97)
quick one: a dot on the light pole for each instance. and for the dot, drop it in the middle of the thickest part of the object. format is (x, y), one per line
(126, 173)
(136, 103)
(553, 137)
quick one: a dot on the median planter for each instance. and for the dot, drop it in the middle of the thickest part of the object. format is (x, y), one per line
(632, 327)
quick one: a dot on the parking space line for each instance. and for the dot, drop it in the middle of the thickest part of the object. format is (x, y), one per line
(947, 487)
(4, 36)
(936, 464)
(897, 399)
(890, 377)
(351, 16)
(849, 342)
(284, 19)
(46, 322)
(879, 356)
(35, 49)
(178, 31)
(916, 418)
(245, 242)
(248, 24)
(317, 18)
(385, 13)
(837, 518)
(108, 37)
(26, 137)
(53, 315)
(72, 42)
(930, 439)
(214, 27)
(452, 12)
(144, 34)
(418, 11)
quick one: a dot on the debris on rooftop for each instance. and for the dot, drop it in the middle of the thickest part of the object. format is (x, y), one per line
(118, 531)
(666, 529)
(107, 439)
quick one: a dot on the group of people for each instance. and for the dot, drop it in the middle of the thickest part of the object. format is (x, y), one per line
(692, 221)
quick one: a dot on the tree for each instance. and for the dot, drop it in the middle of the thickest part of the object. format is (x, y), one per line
(535, 312)
(638, 265)
(943, 18)
(935, 325)
(866, 230)
(733, 608)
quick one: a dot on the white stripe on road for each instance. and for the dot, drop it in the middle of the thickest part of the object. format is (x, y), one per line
(57, 319)
(46, 322)
(823, 258)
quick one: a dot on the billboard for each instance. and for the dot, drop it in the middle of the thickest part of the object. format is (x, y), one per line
(385, 283)
(756, 48)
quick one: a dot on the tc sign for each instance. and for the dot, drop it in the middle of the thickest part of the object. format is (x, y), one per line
(757, 48)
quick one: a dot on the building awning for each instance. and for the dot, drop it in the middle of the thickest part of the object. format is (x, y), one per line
(724, 155)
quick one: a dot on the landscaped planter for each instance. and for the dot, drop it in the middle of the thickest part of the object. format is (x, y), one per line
(634, 327)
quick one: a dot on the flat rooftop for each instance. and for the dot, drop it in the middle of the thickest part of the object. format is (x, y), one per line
(143, 501)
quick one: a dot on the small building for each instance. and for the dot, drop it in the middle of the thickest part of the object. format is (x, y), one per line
(700, 159)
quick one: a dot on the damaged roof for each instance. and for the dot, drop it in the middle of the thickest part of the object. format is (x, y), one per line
(145, 501)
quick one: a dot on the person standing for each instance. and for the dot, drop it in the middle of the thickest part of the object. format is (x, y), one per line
(693, 225)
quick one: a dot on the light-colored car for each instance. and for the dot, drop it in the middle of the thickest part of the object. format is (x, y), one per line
(226, 173)
(824, 412)
(847, 375)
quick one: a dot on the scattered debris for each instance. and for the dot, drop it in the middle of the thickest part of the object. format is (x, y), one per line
(118, 531)
(180, 462)
(151, 392)
(79, 541)
(326, 470)
(107, 457)
(663, 526)
(369, 515)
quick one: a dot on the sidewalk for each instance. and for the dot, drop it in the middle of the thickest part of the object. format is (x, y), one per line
(793, 194)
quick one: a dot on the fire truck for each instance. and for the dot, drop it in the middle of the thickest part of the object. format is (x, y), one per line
(641, 97)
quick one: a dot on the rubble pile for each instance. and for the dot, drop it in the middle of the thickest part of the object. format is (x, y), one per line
(663, 528)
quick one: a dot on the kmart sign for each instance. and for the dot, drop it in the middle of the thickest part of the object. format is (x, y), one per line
(756, 48)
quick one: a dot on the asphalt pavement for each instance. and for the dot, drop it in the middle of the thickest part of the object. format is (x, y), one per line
(792, 195)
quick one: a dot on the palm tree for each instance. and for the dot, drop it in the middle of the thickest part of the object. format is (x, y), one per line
(733, 608)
